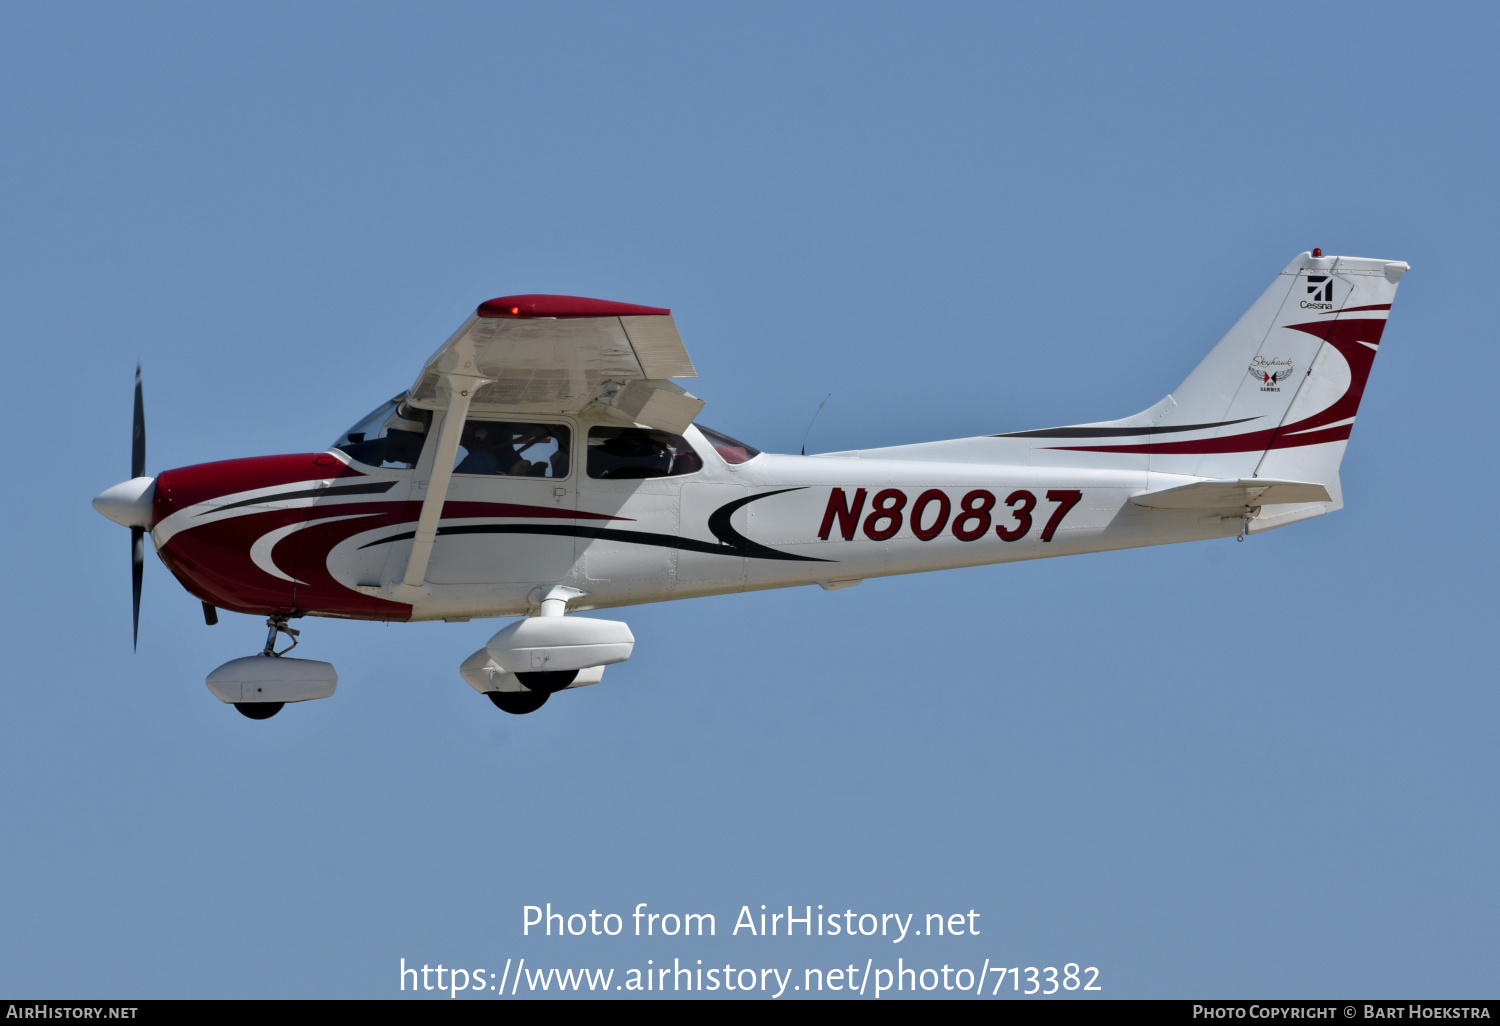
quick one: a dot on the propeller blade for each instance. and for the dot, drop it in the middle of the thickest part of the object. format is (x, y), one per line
(137, 534)
(138, 432)
(137, 568)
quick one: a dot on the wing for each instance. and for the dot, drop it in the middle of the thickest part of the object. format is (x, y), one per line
(559, 354)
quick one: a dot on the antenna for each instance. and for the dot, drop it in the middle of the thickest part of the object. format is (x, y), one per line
(814, 421)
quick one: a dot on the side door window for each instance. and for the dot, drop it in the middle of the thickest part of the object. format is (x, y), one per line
(501, 448)
(620, 453)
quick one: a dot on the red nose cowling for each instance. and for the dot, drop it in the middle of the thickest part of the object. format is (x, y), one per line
(216, 524)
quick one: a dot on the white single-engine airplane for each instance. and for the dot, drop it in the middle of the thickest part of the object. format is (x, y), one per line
(544, 463)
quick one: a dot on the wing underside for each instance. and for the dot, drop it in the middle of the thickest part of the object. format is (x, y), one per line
(560, 354)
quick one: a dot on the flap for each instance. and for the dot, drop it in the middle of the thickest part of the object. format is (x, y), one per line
(553, 354)
(1233, 495)
(658, 404)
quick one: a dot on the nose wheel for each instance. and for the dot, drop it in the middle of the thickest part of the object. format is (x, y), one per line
(275, 625)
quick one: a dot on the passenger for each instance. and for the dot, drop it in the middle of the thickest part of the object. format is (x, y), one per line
(634, 453)
(529, 435)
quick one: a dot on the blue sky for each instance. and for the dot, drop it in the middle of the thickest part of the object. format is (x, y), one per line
(1211, 770)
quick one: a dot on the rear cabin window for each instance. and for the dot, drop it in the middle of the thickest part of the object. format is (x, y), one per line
(391, 436)
(618, 453)
(513, 449)
(732, 449)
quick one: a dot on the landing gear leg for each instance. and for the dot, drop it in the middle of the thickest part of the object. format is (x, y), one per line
(278, 625)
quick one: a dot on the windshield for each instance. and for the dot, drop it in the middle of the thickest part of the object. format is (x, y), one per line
(390, 436)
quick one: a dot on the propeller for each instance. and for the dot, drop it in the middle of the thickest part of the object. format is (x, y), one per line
(137, 534)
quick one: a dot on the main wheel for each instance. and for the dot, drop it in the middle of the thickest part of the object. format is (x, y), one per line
(259, 710)
(518, 702)
(547, 681)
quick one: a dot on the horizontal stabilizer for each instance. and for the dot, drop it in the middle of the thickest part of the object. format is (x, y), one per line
(1235, 495)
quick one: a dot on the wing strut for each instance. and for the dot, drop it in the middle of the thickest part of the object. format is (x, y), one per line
(413, 584)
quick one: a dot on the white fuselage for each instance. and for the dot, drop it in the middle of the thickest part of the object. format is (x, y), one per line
(791, 520)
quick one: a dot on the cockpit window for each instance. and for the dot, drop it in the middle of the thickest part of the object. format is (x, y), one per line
(391, 436)
(733, 450)
(513, 449)
(616, 453)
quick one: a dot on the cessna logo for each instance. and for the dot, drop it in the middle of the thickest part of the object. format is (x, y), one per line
(1270, 372)
(1319, 292)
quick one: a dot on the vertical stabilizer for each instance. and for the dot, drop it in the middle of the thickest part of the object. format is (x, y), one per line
(1277, 396)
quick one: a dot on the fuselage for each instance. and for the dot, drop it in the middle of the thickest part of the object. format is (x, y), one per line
(322, 534)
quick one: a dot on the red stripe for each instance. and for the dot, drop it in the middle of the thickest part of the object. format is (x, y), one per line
(188, 486)
(454, 510)
(1344, 335)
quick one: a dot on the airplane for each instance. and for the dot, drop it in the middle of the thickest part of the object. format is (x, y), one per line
(544, 463)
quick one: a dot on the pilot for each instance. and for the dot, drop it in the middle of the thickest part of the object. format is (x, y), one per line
(404, 435)
(489, 450)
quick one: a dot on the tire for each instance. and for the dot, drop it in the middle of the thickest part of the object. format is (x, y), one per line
(518, 703)
(547, 681)
(259, 710)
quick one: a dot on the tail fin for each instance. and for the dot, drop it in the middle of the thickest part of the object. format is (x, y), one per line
(1276, 398)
